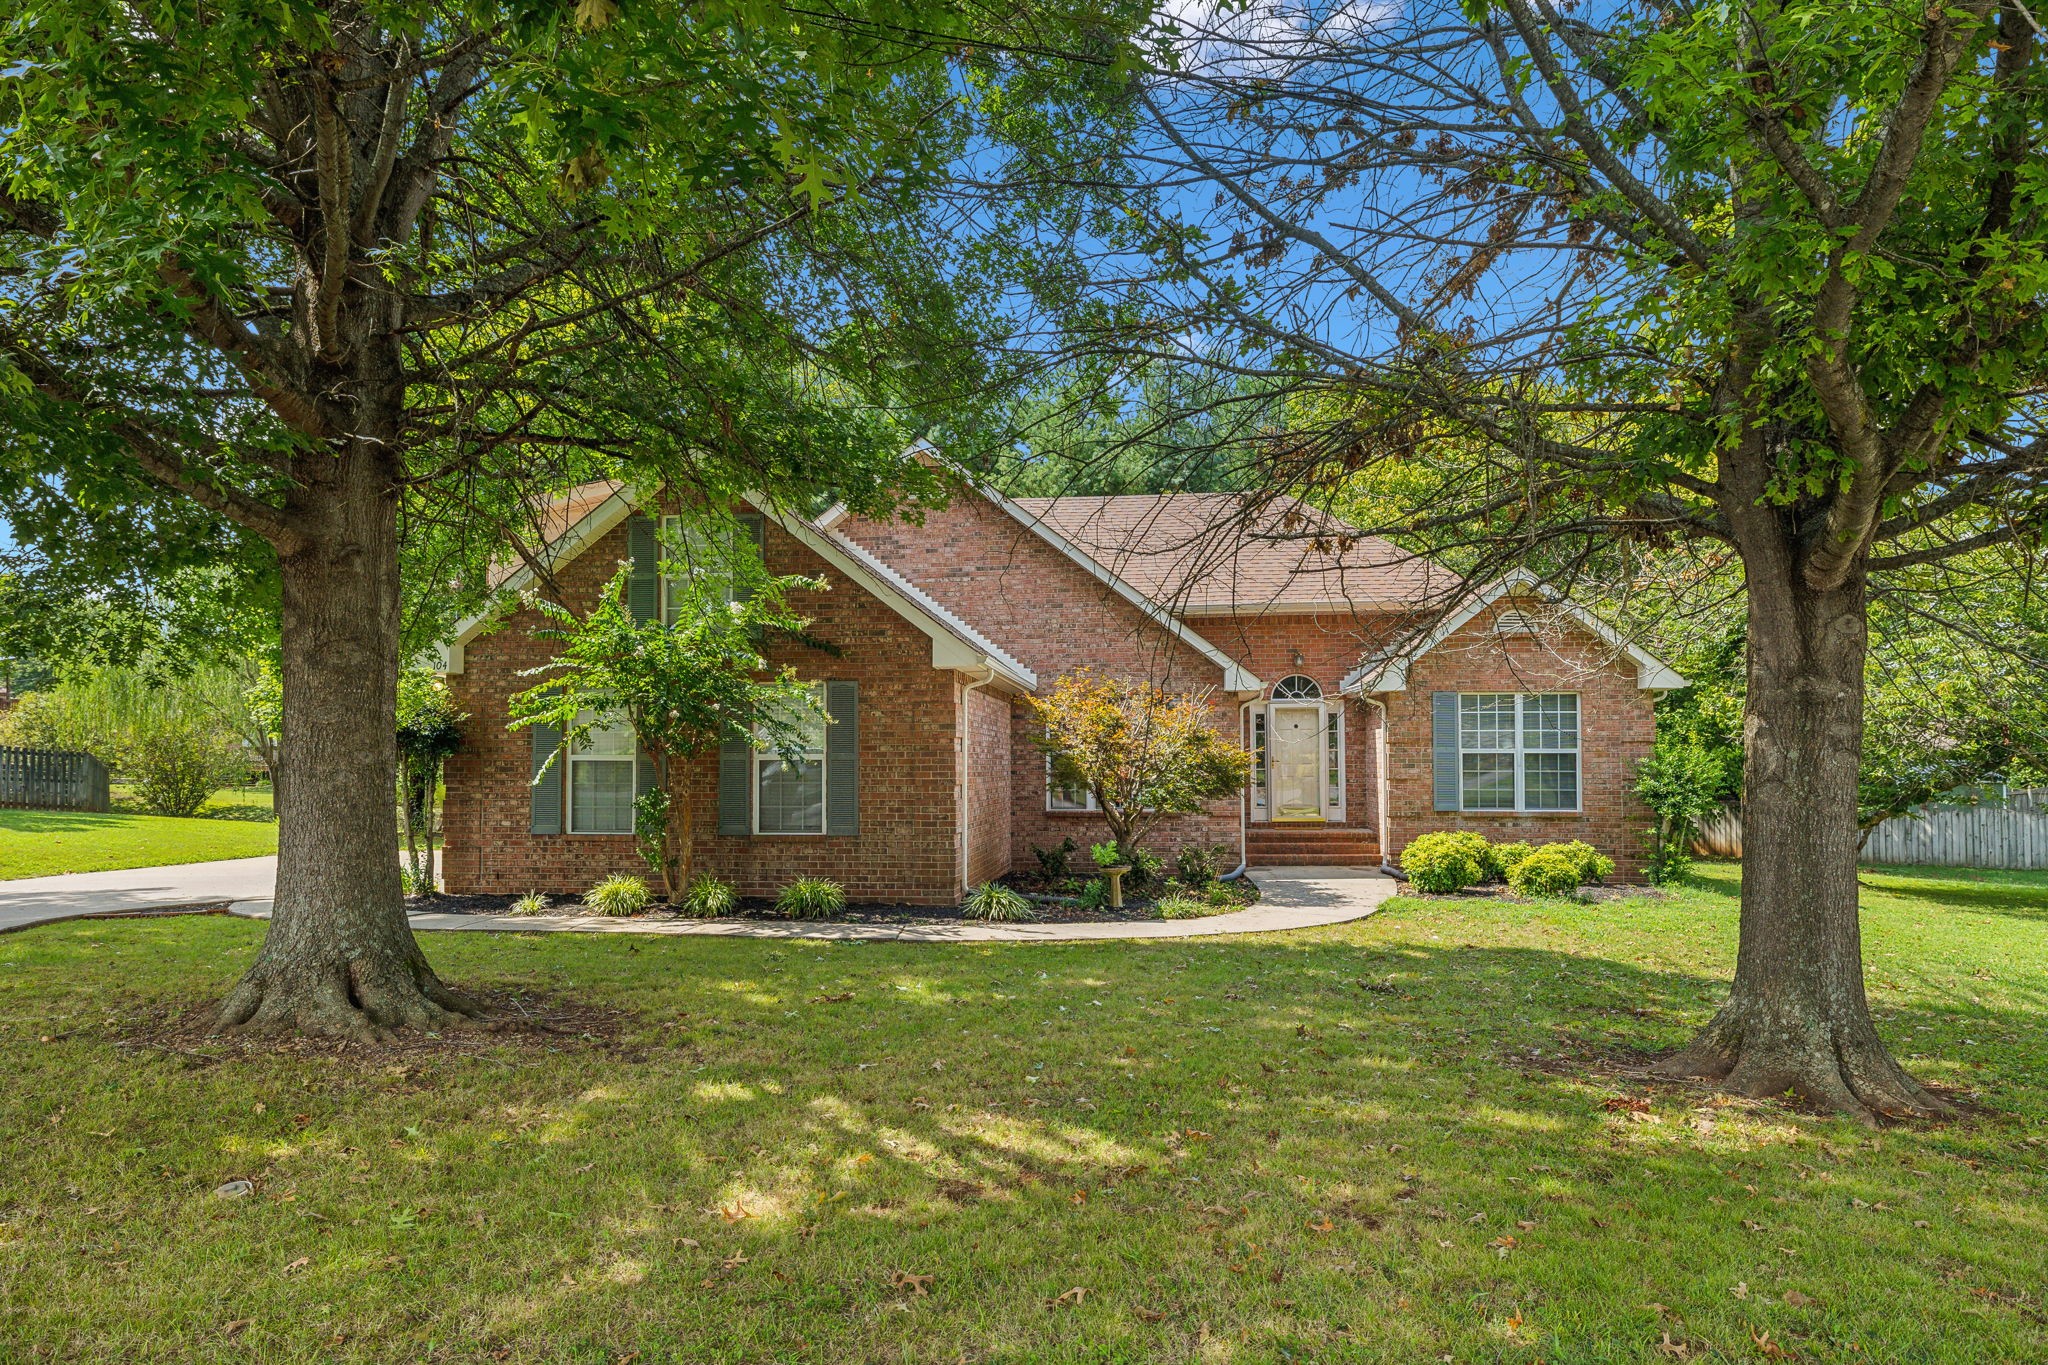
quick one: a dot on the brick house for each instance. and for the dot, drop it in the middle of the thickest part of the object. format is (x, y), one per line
(1372, 715)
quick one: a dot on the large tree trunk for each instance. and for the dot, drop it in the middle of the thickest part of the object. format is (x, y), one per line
(339, 958)
(1797, 1019)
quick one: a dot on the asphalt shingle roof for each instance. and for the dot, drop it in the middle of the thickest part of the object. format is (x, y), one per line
(1221, 552)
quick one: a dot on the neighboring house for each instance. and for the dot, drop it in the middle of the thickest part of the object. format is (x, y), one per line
(1373, 717)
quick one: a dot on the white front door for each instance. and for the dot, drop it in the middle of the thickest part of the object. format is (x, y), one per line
(1294, 745)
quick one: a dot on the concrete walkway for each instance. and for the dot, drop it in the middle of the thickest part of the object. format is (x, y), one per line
(1294, 898)
(135, 890)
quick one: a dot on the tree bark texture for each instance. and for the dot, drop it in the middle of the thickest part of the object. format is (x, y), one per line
(339, 958)
(1797, 1019)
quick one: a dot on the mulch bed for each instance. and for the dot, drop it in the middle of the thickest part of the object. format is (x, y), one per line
(1498, 892)
(751, 908)
(522, 1018)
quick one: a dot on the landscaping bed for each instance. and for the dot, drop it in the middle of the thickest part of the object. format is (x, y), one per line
(1050, 907)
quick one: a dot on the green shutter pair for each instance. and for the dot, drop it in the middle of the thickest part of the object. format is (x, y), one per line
(842, 769)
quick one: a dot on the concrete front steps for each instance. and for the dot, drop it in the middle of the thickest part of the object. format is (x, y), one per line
(1312, 846)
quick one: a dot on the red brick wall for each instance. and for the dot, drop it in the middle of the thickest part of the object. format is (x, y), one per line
(1054, 616)
(988, 785)
(1616, 730)
(1330, 645)
(907, 849)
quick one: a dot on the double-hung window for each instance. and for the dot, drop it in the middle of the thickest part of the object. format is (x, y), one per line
(1518, 751)
(602, 780)
(789, 791)
(1060, 797)
(720, 569)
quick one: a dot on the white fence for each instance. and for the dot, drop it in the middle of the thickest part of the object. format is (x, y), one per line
(2007, 831)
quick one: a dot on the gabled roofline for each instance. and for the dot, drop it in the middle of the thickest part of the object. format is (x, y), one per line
(1236, 677)
(1390, 674)
(955, 644)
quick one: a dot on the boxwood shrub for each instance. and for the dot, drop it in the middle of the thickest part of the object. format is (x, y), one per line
(1447, 861)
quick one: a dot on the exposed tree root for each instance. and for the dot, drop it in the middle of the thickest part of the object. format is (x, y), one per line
(1747, 1050)
(365, 1000)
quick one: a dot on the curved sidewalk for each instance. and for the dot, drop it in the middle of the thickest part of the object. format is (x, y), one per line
(1292, 898)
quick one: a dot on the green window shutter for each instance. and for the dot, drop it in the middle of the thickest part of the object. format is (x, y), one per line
(643, 589)
(643, 771)
(842, 758)
(735, 786)
(754, 532)
(547, 786)
(1443, 708)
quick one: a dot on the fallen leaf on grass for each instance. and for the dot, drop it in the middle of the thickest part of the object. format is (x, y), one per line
(1771, 1349)
(1071, 1297)
(298, 1265)
(1741, 1289)
(734, 1214)
(1625, 1104)
(838, 999)
(734, 1261)
(918, 1285)
(1325, 1226)
(688, 1242)
(1149, 1315)
(231, 1328)
(1799, 1300)
(1676, 1349)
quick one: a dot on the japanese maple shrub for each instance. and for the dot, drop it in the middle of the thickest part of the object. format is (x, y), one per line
(1143, 752)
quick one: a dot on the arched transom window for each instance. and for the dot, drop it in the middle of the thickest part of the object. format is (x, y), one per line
(1294, 687)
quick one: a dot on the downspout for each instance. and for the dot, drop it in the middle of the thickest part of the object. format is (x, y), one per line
(1379, 782)
(966, 759)
(1244, 804)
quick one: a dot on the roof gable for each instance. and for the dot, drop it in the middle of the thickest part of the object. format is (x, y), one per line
(955, 644)
(1389, 672)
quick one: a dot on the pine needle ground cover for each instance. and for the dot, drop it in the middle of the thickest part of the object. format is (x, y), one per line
(1412, 1138)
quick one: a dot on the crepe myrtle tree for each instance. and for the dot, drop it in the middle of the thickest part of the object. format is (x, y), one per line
(280, 281)
(1766, 277)
(683, 687)
(1144, 753)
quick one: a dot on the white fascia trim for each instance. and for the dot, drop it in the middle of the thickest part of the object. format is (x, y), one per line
(1391, 675)
(594, 526)
(955, 644)
(1236, 677)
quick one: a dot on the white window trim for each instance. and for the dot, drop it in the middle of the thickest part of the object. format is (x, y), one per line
(570, 758)
(1088, 807)
(754, 761)
(1521, 751)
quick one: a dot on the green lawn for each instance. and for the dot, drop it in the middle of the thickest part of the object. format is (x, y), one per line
(1388, 1141)
(39, 843)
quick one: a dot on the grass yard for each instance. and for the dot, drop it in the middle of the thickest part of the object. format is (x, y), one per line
(1388, 1141)
(41, 843)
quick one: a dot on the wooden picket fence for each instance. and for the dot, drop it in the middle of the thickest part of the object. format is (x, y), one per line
(52, 779)
(2007, 829)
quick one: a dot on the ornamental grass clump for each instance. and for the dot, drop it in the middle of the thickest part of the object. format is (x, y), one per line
(709, 897)
(620, 895)
(1445, 862)
(532, 903)
(811, 898)
(1183, 906)
(993, 901)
